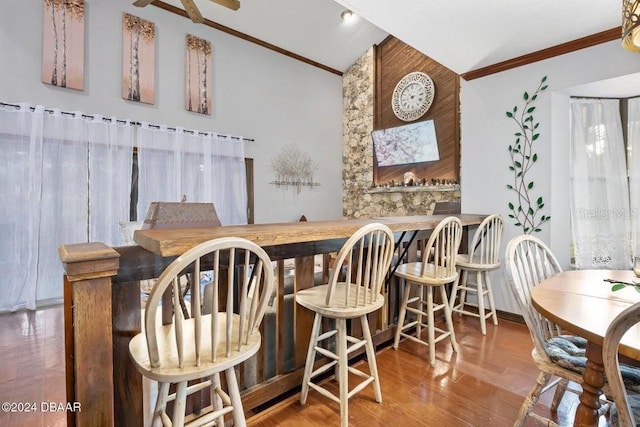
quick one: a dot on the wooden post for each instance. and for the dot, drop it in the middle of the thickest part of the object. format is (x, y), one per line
(302, 317)
(88, 331)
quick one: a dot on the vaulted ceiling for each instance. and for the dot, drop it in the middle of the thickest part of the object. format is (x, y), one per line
(463, 35)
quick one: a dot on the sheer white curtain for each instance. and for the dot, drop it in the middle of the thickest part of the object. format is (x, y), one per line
(45, 198)
(177, 164)
(110, 161)
(599, 189)
(228, 178)
(633, 155)
(159, 169)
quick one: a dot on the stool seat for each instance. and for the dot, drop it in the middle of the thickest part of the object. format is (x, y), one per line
(463, 261)
(413, 271)
(315, 300)
(167, 369)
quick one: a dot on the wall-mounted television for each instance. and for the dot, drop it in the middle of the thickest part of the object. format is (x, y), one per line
(412, 143)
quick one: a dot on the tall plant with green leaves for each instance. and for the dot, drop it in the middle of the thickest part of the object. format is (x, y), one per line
(526, 209)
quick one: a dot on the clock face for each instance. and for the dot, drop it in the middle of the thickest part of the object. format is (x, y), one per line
(412, 96)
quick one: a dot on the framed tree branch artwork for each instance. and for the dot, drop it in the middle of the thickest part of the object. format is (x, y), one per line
(138, 59)
(63, 43)
(198, 75)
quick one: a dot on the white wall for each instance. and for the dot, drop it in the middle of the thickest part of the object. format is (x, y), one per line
(486, 134)
(257, 93)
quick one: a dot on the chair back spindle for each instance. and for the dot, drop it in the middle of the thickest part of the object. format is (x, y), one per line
(440, 250)
(367, 255)
(528, 262)
(249, 282)
(485, 246)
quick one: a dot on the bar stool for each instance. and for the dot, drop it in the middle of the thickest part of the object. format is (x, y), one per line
(437, 268)
(366, 256)
(483, 257)
(202, 346)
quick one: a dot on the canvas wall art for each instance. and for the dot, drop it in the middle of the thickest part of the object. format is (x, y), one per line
(198, 75)
(138, 59)
(63, 43)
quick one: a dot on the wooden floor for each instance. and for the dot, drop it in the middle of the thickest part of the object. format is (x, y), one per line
(483, 385)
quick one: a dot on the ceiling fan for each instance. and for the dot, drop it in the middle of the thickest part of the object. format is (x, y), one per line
(192, 9)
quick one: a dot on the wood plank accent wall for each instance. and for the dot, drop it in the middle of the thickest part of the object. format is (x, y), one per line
(394, 59)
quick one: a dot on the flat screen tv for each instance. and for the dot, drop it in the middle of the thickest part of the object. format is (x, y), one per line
(412, 143)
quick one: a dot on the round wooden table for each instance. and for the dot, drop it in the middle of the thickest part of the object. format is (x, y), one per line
(581, 302)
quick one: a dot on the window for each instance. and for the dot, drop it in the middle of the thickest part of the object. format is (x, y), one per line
(602, 205)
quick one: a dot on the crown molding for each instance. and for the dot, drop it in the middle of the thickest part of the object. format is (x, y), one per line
(561, 49)
(247, 37)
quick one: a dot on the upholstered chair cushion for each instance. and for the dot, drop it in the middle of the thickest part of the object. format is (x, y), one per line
(568, 351)
(634, 404)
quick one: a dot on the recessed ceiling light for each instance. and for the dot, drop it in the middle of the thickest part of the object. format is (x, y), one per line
(346, 15)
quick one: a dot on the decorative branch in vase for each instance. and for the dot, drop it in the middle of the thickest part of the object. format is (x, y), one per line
(524, 211)
(617, 285)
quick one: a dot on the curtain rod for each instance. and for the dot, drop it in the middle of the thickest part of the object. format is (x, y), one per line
(109, 119)
(604, 97)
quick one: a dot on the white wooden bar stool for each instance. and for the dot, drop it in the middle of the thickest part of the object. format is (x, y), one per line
(437, 268)
(483, 256)
(366, 256)
(202, 346)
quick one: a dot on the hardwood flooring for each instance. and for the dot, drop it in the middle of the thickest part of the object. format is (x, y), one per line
(32, 366)
(483, 385)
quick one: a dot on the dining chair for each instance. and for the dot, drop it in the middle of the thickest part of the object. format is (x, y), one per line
(528, 262)
(483, 257)
(436, 269)
(627, 407)
(366, 257)
(202, 346)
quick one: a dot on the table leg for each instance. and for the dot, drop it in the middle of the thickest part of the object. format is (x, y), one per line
(593, 381)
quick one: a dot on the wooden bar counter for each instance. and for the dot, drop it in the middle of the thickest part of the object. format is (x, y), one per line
(157, 248)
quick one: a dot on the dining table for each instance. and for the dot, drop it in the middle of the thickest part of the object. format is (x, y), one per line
(583, 303)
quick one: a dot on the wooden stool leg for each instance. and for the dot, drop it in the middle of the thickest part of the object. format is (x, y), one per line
(161, 404)
(371, 357)
(234, 395)
(561, 387)
(420, 308)
(431, 320)
(216, 401)
(343, 364)
(454, 291)
(492, 303)
(180, 404)
(463, 292)
(447, 317)
(480, 292)
(531, 399)
(403, 313)
(311, 357)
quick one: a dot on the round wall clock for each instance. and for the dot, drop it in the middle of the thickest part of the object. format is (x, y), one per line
(412, 96)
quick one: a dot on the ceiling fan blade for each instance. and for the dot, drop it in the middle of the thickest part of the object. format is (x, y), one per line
(231, 4)
(142, 3)
(192, 11)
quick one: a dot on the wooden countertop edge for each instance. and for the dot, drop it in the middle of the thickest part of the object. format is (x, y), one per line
(270, 235)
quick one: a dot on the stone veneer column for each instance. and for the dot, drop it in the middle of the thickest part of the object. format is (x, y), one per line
(357, 154)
